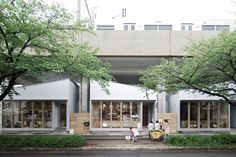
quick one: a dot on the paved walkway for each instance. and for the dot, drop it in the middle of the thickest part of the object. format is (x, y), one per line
(125, 145)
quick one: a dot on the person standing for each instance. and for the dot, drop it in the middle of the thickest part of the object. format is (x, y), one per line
(166, 129)
(157, 126)
(150, 128)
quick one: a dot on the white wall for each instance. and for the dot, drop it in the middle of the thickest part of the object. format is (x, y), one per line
(119, 92)
(174, 102)
(57, 90)
(188, 95)
(72, 103)
(161, 102)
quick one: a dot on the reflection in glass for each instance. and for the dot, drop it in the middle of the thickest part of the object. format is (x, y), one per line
(37, 114)
(47, 114)
(96, 114)
(6, 115)
(17, 119)
(115, 114)
(26, 114)
(193, 114)
(62, 115)
(126, 111)
(224, 115)
(105, 111)
(203, 115)
(135, 115)
(184, 114)
(214, 115)
(115, 111)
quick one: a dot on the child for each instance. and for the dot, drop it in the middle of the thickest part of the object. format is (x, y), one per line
(133, 134)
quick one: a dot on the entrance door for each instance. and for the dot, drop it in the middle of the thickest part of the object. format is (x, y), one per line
(145, 115)
(233, 116)
(62, 115)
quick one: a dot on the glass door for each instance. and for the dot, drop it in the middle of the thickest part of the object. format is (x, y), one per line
(62, 117)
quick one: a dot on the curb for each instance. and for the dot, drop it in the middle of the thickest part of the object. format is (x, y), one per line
(153, 148)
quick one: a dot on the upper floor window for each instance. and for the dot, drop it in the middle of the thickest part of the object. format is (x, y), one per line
(222, 27)
(129, 26)
(158, 27)
(105, 27)
(214, 27)
(186, 26)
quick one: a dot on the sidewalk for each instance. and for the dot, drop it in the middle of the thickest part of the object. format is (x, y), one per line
(97, 145)
(126, 145)
(141, 145)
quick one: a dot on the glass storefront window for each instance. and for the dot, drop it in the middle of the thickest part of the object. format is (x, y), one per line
(184, 114)
(106, 116)
(47, 114)
(214, 115)
(115, 111)
(96, 115)
(193, 114)
(26, 114)
(62, 112)
(7, 121)
(115, 114)
(135, 115)
(224, 115)
(17, 112)
(203, 115)
(126, 114)
(37, 115)
(125, 111)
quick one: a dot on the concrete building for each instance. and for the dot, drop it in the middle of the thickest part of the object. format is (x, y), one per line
(130, 52)
(48, 106)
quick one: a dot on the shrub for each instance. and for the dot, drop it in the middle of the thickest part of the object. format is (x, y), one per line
(37, 141)
(203, 140)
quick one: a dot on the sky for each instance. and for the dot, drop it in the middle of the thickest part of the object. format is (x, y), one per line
(156, 9)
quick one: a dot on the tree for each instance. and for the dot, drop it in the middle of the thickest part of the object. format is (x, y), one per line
(36, 38)
(208, 67)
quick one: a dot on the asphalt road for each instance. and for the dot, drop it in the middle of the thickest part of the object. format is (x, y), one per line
(126, 154)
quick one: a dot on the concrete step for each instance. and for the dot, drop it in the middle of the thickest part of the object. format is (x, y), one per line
(111, 137)
(34, 132)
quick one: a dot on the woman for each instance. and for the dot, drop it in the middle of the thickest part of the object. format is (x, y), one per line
(166, 129)
(157, 125)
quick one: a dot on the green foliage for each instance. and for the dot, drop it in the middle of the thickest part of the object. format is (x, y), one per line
(40, 141)
(208, 67)
(37, 38)
(223, 140)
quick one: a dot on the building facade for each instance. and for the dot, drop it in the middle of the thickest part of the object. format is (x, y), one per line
(47, 106)
(125, 106)
(43, 107)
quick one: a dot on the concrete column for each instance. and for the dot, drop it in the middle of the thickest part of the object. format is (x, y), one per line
(141, 115)
(155, 110)
(78, 9)
(55, 116)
